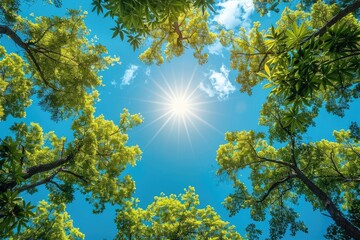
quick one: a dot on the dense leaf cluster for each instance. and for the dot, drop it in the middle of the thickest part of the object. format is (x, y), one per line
(309, 57)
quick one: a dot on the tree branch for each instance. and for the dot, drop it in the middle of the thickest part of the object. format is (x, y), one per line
(179, 33)
(74, 174)
(57, 185)
(37, 169)
(10, 33)
(45, 180)
(334, 164)
(343, 13)
(330, 206)
(275, 185)
(269, 160)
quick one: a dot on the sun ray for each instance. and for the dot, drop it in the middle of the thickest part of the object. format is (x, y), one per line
(186, 129)
(159, 131)
(177, 105)
(206, 123)
(159, 118)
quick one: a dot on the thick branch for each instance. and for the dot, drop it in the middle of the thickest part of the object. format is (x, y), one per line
(47, 166)
(37, 169)
(45, 180)
(179, 33)
(292, 151)
(328, 204)
(9, 32)
(343, 13)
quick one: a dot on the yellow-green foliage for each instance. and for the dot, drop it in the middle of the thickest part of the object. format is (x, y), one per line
(172, 217)
(195, 34)
(51, 221)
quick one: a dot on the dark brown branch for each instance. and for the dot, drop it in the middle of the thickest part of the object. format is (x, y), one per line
(268, 159)
(275, 185)
(42, 35)
(10, 33)
(278, 119)
(343, 13)
(249, 54)
(53, 59)
(47, 166)
(334, 164)
(22, 155)
(37, 169)
(353, 150)
(337, 178)
(262, 61)
(292, 151)
(343, 57)
(74, 174)
(57, 185)
(326, 215)
(45, 180)
(42, 50)
(179, 33)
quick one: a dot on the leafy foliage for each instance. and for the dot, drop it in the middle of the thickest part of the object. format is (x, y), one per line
(61, 66)
(299, 61)
(172, 217)
(266, 6)
(191, 30)
(50, 221)
(324, 172)
(137, 18)
(176, 24)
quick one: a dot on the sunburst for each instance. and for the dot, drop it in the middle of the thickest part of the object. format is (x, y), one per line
(179, 105)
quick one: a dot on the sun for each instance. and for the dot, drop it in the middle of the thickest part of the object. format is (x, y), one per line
(178, 106)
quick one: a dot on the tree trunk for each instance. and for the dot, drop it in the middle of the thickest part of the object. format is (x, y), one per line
(332, 209)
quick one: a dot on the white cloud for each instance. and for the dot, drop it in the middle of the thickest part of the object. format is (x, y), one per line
(207, 89)
(220, 84)
(216, 48)
(129, 75)
(234, 13)
(113, 83)
(148, 71)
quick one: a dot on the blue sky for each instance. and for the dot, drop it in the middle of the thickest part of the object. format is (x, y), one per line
(177, 154)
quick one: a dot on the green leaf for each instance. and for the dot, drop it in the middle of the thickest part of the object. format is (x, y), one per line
(267, 70)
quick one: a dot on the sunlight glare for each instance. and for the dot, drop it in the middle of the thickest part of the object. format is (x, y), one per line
(180, 106)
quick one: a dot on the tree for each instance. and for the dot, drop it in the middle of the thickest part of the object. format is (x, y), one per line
(50, 221)
(307, 59)
(176, 24)
(326, 172)
(307, 56)
(61, 65)
(172, 217)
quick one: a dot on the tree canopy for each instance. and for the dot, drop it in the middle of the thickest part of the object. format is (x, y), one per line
(308, 60)
(61, 66)
(172, 217)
